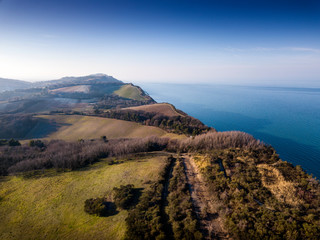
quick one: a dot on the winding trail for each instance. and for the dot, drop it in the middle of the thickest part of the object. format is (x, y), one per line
(205, 207)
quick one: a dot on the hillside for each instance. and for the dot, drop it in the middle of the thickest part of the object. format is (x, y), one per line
(10, 84)
(75, 127)
(103, 160)
(90, 79)
(132, 92)
(69, 93)
(50, 206)
(165, 109)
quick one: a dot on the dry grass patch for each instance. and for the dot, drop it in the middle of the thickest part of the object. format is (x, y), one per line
(74, 127)
(283, 190)
(201, 161)
(73, 89)
(162, 108)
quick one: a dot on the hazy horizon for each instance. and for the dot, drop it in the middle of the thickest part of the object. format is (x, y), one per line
(267, 43)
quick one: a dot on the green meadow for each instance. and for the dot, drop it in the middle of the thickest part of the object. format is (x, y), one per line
(131, 92)
(51, 205)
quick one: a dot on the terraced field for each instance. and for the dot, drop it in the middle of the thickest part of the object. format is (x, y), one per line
(52, 206)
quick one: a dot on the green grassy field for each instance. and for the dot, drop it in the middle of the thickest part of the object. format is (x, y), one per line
(74, 127)
(131, 92)
(51, 206)
(162, 108)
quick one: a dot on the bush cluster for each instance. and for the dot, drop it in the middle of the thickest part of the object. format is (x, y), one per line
(124, 196)
(250, 210)
(73, 155)
(177, 124)
(180, 210)
(12, 142)
(98, 206)
(146, 220)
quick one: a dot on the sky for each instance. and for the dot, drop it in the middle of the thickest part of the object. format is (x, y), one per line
(255, 42)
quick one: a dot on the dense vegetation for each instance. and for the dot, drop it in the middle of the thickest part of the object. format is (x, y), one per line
(263, 198)
(12, 142)
(180, 209)
(147, 220)
(177, 124)
(73, 155)
(124, 196)
(99, 206)
(115, 101)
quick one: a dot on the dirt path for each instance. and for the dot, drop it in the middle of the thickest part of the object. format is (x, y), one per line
(204, 205)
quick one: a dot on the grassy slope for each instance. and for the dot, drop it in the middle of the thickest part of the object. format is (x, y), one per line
(51, 207)
(74, 127)
(131, 92)
(163, 108)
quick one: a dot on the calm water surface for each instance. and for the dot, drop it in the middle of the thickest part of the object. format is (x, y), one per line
(286, 118)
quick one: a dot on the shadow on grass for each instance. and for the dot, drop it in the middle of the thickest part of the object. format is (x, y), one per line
(137, 192)
(110, 209)
(36, 174)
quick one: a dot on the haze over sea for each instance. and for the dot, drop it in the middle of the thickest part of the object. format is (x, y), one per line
(286, 118)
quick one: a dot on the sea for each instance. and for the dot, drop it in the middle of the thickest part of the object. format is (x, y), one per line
(285, 117)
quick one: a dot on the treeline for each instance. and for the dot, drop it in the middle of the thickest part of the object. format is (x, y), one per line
(115, 101)
(12, 142)
(73, 155)
(250, 210)
(177, 124)
(180, 210)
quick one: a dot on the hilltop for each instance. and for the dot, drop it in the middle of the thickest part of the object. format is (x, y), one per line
(96, 158)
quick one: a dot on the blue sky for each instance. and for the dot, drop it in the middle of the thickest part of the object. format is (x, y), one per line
(231, 41)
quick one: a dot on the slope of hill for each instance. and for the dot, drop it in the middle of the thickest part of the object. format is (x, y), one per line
(75, 127)
(51, 206)
(98, 90)
(165, 109)
(216, 185)
(132, 92)
(10, 84)
(90, 79)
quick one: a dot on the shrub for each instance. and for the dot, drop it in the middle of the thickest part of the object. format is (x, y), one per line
(13, 143)
(98, 206)
(36, 143)
(124, 196)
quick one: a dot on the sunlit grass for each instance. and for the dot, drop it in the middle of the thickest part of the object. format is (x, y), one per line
(51, 206)
(74, 127)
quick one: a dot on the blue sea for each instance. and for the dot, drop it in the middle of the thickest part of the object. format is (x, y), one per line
(286, 118)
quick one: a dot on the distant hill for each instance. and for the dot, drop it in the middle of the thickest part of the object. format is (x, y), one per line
(90, 79)
(70, 93)
(131, 91)
(10, 84)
